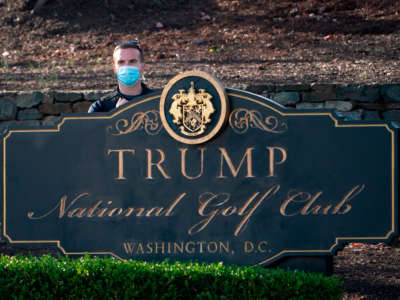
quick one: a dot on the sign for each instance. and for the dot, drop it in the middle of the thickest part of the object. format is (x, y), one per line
(199, 172)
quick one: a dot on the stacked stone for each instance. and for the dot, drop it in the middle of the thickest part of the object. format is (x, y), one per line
(43, 108)
(352, 101)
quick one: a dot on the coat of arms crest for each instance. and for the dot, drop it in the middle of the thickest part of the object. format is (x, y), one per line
(192, 110)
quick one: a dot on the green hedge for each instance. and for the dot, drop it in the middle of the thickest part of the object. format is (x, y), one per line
(108, 278)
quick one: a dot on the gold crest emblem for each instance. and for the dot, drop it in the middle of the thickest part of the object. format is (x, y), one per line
(196, 114)
(192, 110)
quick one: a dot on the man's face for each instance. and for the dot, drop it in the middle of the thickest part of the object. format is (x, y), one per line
(127, 57)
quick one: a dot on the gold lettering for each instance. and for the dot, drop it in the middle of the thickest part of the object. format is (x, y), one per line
(161, 246)
(212, 247)
(183, 163)
(63, 200)
(157, 210)
(326, 209)
(248, 202)
(203, 205)
(179, 247)
(129, 211)
(235, 171)
(350, 195)
(272, 162)
(92, 209)
(315, 210)
(103, 210)
(273, 190)
(128, 246)
(78, 212)
(304, 197)
(61, 205)
(223, 246)
(139, 249)
(191, 250)
(168, 212)
(149, 247)
(343, 207)
(118, 210)
(305, 210)
(230, 210)
(140, 212)
(201, 245)
(248, 247)
(261, 248)
(169, 248)
(150, 164)
(120, 160)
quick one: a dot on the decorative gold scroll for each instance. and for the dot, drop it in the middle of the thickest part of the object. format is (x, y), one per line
(148, 121)
(241, 119)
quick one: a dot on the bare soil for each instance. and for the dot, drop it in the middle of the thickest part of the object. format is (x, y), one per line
(68, 45)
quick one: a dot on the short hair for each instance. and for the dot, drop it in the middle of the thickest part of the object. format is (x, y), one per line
(129, 45)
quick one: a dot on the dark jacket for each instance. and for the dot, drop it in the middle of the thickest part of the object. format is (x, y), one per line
(109, 101)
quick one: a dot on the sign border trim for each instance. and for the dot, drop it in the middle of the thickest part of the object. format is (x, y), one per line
(329, 113)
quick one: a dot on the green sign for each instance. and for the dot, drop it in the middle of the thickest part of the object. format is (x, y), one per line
(200, 172)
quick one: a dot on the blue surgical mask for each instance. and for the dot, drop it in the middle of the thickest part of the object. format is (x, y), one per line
(128, 75)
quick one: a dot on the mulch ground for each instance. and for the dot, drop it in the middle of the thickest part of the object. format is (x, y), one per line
(68, 45)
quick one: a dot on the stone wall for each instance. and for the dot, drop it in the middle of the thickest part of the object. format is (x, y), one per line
(355, 102)
(44, 107)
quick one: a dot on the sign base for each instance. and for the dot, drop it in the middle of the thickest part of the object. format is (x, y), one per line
(321, 264)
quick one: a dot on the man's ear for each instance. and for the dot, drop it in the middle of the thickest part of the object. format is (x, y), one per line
(115, 69)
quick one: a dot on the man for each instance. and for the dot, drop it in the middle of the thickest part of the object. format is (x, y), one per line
(128, 66)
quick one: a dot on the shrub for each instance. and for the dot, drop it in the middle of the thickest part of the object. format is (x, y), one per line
(108, 278)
